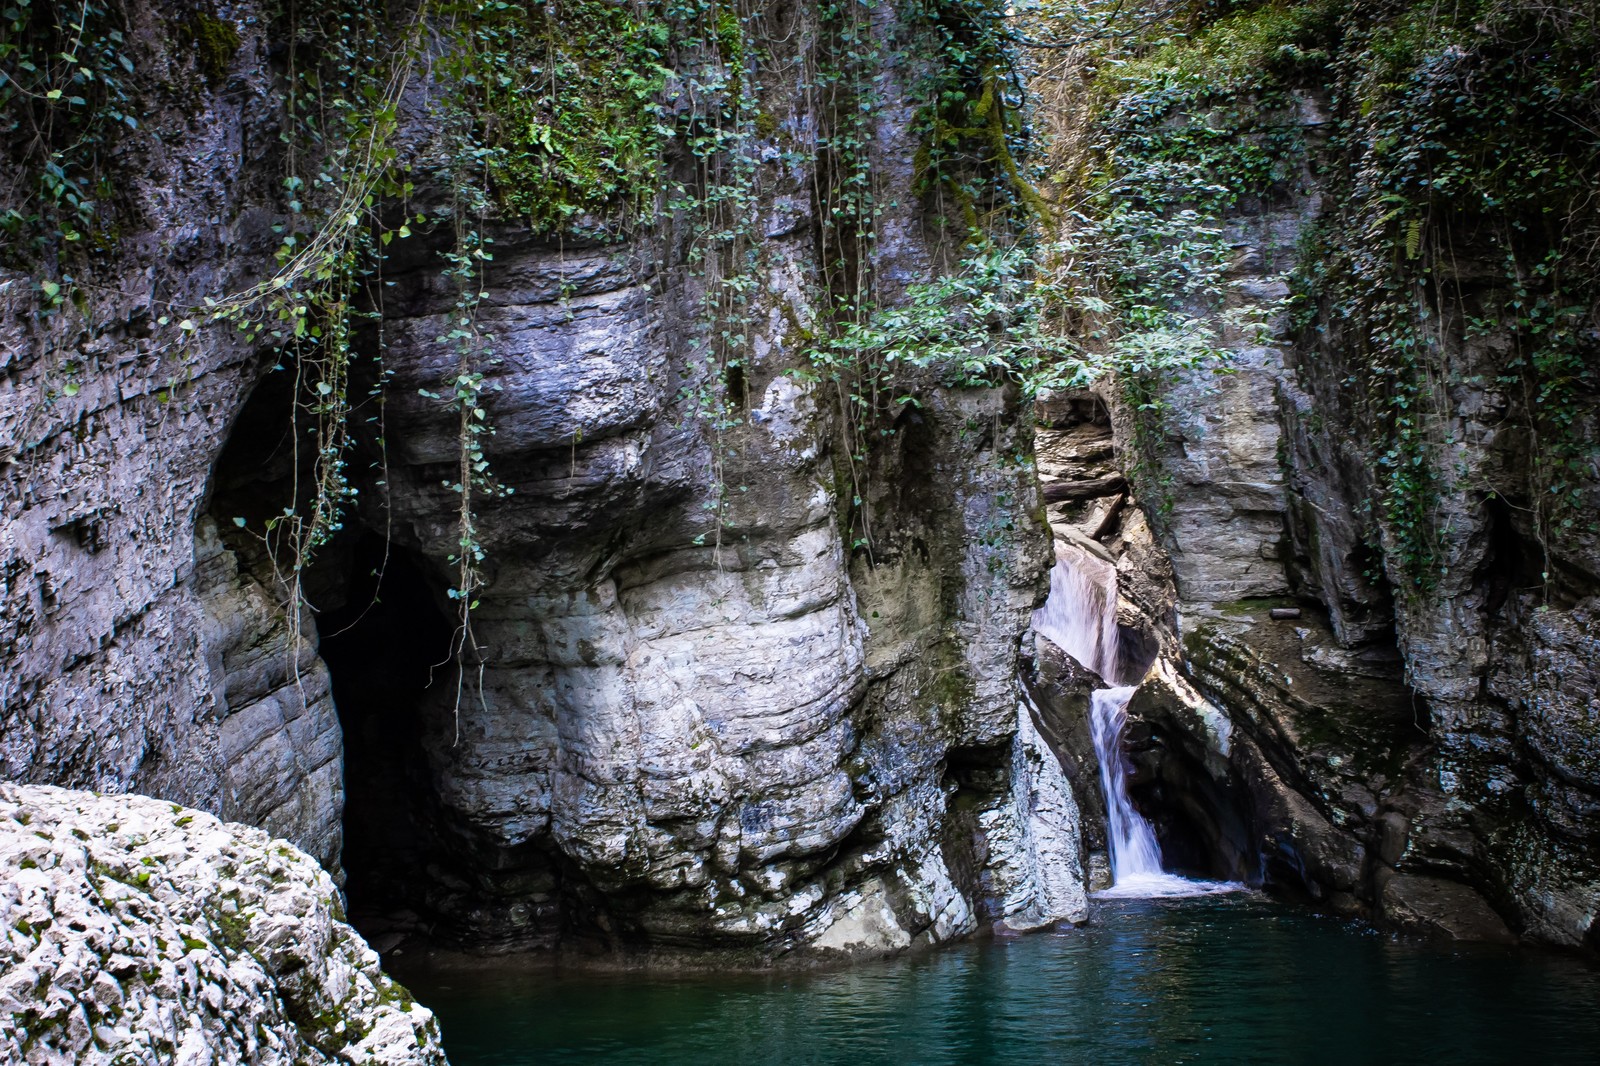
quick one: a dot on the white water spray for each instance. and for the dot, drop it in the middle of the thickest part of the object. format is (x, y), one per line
(1134, 851)
(1080, 617)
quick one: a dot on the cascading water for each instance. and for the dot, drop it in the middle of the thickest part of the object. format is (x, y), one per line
(1080, 617)
(1134, 851)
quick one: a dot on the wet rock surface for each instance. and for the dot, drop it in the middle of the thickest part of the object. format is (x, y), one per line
(1342, 779)
(137, 931)
(1060, 689)
(1443, 730)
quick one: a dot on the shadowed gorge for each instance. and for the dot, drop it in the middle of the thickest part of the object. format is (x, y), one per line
(727, 486)
(384, 648)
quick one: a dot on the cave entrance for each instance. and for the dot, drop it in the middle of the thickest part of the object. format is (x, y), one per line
(414, 865)
(385, 646)
(381, 631)
(1200, 819)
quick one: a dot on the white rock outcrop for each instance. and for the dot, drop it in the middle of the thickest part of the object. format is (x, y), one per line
(138, 931)
(1036, 864)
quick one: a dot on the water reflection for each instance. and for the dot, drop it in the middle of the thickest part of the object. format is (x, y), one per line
(1210, 979)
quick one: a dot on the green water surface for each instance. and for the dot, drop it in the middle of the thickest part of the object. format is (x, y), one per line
(1231, 979)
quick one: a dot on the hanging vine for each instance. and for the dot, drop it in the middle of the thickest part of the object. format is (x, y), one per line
(1468, 216)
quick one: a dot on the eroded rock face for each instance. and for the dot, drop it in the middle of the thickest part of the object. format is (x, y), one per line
(1272, 482)
(137, 931)
(748, 687)
(1338, 774)
(1038, 873)
(132, 655)
(1061, 689)
(1498, 657)
(705, 719)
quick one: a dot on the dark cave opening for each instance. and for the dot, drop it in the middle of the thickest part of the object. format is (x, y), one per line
(414, 865)
(385, 645)
(418, 870)
(380, 632)
(1201, 822)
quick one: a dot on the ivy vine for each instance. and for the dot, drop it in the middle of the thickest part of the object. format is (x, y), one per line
(1465, 215)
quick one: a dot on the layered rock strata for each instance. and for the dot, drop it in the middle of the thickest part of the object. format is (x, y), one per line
(1415, 747)
(747, 687)
(133, 654)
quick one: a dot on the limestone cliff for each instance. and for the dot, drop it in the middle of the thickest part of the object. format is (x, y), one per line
(135, 656)
(1401, 452)
(742, 683)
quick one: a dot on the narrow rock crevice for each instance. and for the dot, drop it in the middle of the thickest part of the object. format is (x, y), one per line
(385, 647)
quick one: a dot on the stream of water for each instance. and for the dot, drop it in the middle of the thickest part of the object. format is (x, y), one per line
(1222, 975)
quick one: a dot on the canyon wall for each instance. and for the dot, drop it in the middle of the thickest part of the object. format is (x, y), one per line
(1402, 461)
(742, 672)
(744, 684)
(136, 657)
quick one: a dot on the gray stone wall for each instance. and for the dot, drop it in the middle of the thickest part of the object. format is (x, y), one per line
(1273, 477)
(134, 657)
(684, 735)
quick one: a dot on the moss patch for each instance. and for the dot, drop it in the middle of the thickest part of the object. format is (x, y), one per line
(213, 41)
(573, 120)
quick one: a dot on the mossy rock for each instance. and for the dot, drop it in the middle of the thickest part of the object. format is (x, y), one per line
(213, 41)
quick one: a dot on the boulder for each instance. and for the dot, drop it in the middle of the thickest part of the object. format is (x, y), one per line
(138, 931)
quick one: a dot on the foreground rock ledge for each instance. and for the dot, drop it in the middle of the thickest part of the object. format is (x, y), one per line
(137, 931)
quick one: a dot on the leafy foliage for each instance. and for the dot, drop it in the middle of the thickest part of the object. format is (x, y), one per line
(1188, 124)
(65, 72)
(1470, 147)
(1459, 166)
(340, 116)
(568, 96)
(979, 327)
(972, 119)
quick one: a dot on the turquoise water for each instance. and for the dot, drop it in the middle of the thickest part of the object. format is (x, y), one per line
(1232, 979)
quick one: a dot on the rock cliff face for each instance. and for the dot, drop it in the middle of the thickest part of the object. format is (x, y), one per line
(136, 656)
(1415, 744)
(735, 689)
(747, 684)
(141, 931)
(736, 736)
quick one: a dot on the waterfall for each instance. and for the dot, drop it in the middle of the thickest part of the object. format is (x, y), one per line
(1129, 838)
(1080, 617)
